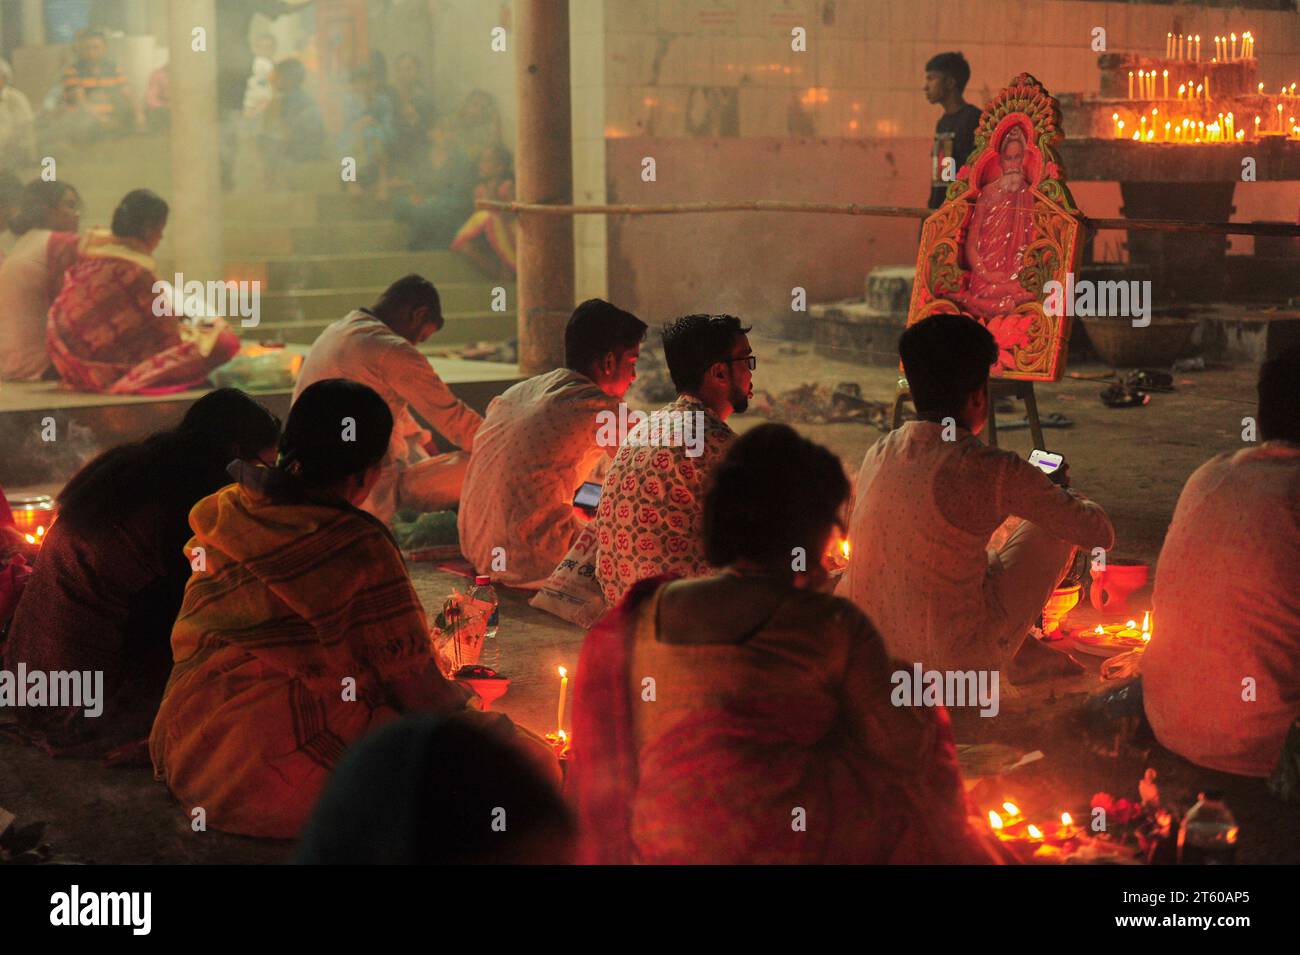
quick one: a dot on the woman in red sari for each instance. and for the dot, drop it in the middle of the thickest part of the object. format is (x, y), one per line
(112, 329)
(746, 717)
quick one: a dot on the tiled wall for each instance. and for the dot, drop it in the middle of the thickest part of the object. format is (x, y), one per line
(725, 67)
(714, 91)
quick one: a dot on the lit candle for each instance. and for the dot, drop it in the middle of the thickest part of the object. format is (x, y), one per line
(1182, 89)
(1197, 38)
(1279, 117)
(1169, 42)
(1257, 127)
(564, 689)
(1120, 128)
(1261, 89)
(1114, 118)
(1166, 132)
(1180, 46)
(1166, 77)
(1130, 84)
(1232, 54)
(1218, 52)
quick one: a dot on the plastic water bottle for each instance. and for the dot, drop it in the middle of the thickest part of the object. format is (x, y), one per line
(1208, 834)
(484, 592)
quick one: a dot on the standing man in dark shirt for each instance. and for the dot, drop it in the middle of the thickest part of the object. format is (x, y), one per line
(946, 76)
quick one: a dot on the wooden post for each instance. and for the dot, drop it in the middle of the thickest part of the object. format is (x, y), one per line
(543, 173)
(195, 222)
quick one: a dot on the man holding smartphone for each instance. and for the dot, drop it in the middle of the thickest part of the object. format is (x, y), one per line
(956, 546)
(538, 442)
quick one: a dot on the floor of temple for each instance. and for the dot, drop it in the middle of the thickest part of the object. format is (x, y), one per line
(1134, 461)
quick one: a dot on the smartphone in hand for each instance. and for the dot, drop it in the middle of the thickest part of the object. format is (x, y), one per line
(587, 497)
(1053, 465)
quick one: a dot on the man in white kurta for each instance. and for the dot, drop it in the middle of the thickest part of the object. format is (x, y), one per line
(539, 442)
(956, 546)
(921, 564)
(536, 446)
(1221, 675)
(381, 354)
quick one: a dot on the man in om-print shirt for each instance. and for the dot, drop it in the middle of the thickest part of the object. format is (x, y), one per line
(651, 508)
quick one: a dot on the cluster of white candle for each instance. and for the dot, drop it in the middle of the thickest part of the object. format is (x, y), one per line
(1146, 86)
(1183, 47)
(1225, 47)
(1222, 130)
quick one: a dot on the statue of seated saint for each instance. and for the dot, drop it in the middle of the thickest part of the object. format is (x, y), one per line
(1000, 227)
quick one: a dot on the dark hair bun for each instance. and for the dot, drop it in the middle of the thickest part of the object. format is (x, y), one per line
(336, 429)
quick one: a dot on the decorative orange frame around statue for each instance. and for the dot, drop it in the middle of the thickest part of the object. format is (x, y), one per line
(1031, 343)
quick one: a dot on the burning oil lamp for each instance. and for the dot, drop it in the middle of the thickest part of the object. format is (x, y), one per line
(561, 743)
(1067, 828)
(33, 516)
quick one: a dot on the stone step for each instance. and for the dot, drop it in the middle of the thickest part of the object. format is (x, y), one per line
(368, 269)
(325, 175)
(302, 208)
(256, 240)
(460, 328)
(331, 303)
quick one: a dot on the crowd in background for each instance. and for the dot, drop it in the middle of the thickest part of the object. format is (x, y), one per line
(424, 160)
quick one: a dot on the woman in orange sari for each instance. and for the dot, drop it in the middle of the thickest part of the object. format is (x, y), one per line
(301, 631)
(112, 327)
(746, 717)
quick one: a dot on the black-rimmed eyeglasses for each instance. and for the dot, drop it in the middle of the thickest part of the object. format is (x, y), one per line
(752, 359)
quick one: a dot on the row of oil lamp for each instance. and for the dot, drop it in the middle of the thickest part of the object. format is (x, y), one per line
(1181, 46)
(1221, 130)
(1130, 629)
(1011, 826)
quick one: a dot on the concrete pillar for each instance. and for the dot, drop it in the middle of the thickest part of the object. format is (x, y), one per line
(543, 173)
(33, 23)
(195, 222)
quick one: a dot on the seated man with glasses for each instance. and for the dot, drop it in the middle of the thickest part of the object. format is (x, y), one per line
(649, 519)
